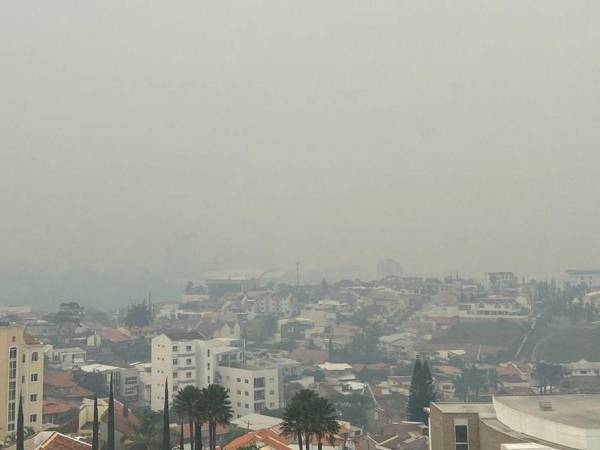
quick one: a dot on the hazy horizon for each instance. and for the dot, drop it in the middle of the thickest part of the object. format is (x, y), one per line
(169, 138)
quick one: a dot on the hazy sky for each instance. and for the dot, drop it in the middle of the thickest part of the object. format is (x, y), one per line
(450, 135)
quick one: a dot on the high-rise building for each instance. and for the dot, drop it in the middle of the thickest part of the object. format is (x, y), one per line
(21, 373)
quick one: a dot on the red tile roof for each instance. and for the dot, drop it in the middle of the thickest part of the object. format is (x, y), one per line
(113, 335)
(56, 407)
(59, 441)
(124, 424)
(267, 437)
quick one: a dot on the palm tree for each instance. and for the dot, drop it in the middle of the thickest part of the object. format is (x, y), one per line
(298, 417)
(200, 408)
(185, 404)
(323, 421)
(218, 411)
(292, 422)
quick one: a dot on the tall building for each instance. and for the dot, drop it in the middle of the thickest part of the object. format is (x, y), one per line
(21, 373)
(186, 359)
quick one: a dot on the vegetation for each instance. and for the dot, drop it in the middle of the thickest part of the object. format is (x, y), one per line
(570, 344)
(95, 426)
(309, 415)
(468, 385)
(548, 376)
(110, 439)
(139, 315)
(261, 329)
(354, 408)
(199, 406)
(501, 333)
(422, 392)
(20, 426)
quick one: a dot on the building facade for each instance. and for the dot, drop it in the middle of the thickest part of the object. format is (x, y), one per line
(21, 372)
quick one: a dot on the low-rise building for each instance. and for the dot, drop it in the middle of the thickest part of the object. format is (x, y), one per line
(66, 358)
(564, 422)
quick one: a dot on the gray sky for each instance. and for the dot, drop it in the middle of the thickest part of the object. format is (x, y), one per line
(450, 135)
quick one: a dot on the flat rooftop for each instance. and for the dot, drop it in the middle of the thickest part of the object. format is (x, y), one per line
(465, 408)
(577, 410)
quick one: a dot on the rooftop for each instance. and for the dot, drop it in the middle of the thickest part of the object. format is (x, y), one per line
(465, 408)
(577, 410)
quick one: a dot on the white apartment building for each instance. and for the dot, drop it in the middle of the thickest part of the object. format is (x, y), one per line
(21, 371)
(253, 387)
(183, 359)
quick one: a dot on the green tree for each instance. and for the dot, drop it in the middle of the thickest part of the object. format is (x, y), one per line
(166, 422)
(110, 439)
(413, 410)
(139, 315)
(20, 426)
(149, 435)
(292, 422)
(95, 426)
(323, 420)
(185, 404)
(218, 411)
(468, 385)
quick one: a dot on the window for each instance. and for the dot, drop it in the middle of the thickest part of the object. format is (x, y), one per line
(11, 427)
(239, 380)
(175, 348)
(188, 361)
(271, 392)
(34, 377)
(239, 404)
(259, 383)
(174, 361)
(33, 418)
(208, 379)
(13, 353)
(175, 374)
(461, 434)
(259, 395)
(188, 348)
(208, 352)
(33, 398)
(208, 366)
(24, 357)
(246, 381)
(259, 407)
(34, 356)
(246, 405)
(239, 392)
(188, 374)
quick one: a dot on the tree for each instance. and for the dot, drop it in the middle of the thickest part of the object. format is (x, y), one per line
(414, 401)
(110, 439)
(468, 385)
(309, 415)
(139, 315)
(95, 426)
(185, 405)
(548, 376)
(261, 329)
(147, 435)
(166, 421)
(93, 381)
(218, 411)
(428, 385)
(323, 421)
(20, 426)
(354, 407)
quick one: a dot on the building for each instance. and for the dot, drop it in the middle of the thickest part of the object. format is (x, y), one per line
(253, 387)
(582, 368)
(21, 372)
(388, 268)
(501, 280)
(125, 379)
(126, 423)
(588, 278)
(66, 358)
(53, 440)
(183, 359)
(561, 422)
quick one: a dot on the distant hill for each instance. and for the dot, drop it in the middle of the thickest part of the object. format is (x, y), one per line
(44, 290)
